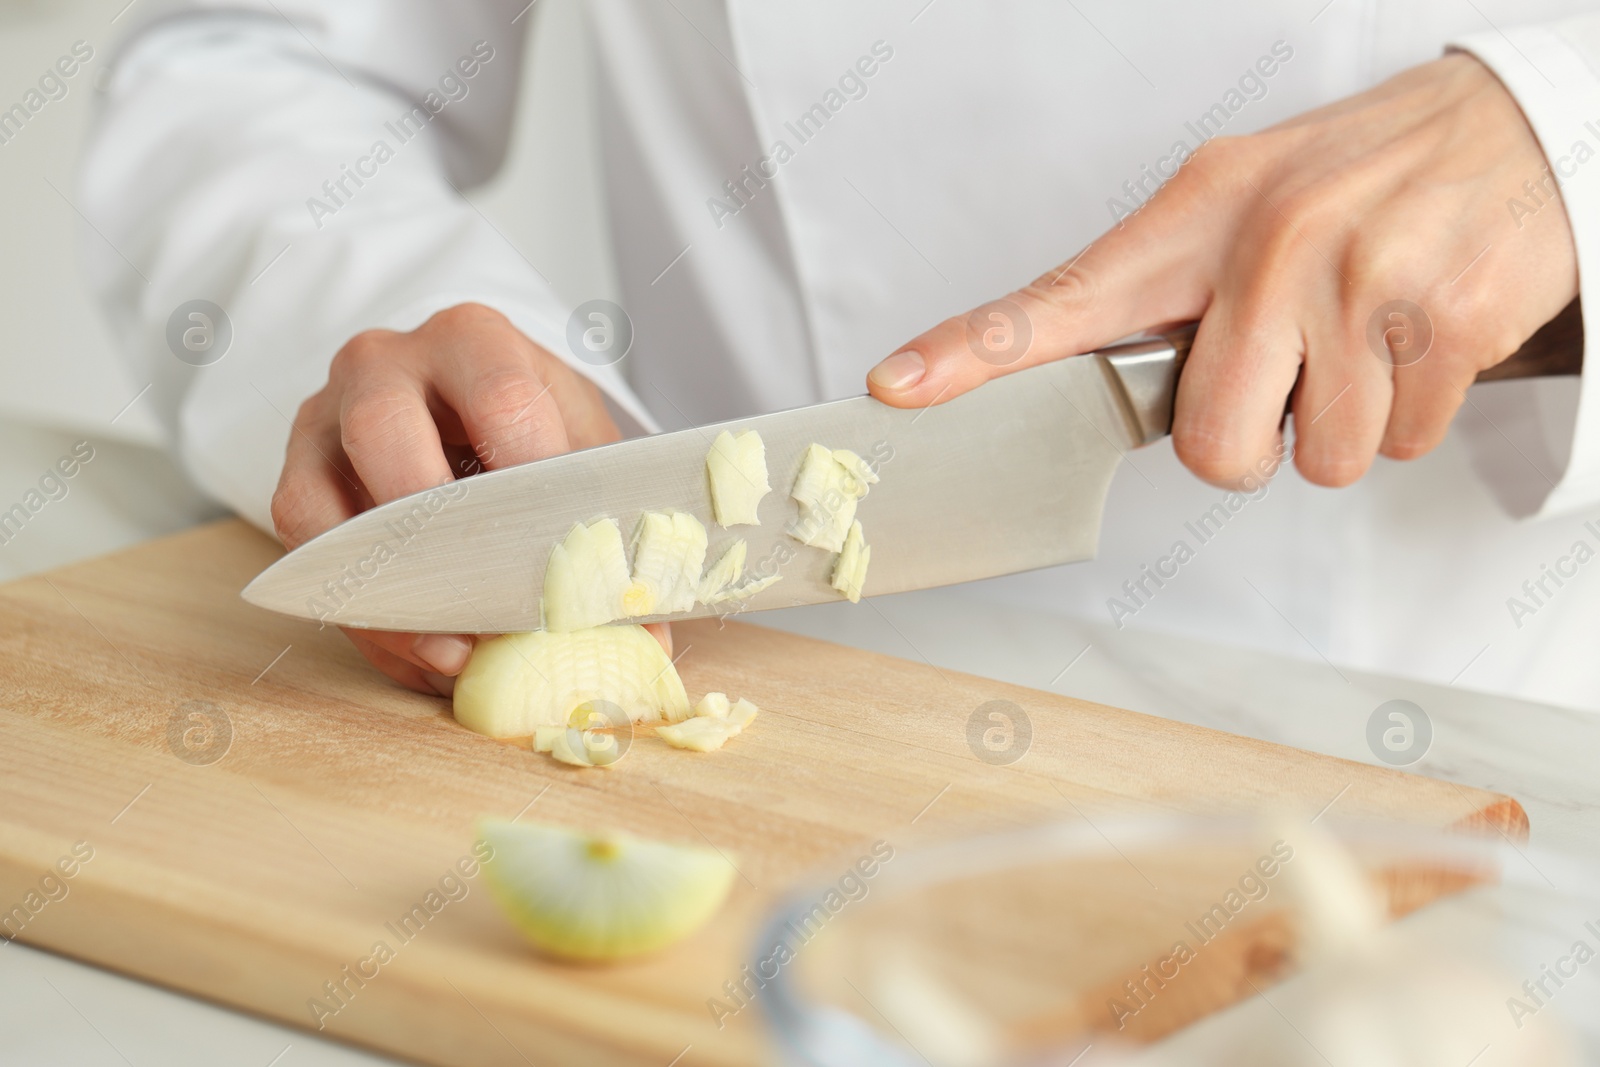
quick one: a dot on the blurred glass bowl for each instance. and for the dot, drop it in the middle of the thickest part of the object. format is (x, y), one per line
(1191, 941)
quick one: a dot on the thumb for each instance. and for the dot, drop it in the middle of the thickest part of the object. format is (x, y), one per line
(1154, 269)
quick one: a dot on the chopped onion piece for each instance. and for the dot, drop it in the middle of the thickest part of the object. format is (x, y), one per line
(858, 468)
(713, 706)
(827, 489)
(743, 713)
(516, 683)
(586, 578)
(669, 552)
(580, 748)
(719, 586)
(712, 724)
(700, 734)
(583, 743)
(850, 569)
(723, 573)
(737, 467)
(745, 590)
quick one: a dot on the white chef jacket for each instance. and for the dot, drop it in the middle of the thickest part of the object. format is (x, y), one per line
(796, 189)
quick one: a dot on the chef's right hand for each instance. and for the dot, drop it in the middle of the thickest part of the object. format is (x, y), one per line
(1301, 250)
(405, 412)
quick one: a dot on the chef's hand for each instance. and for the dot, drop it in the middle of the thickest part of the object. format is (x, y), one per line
(1284, 244)
(404, 412)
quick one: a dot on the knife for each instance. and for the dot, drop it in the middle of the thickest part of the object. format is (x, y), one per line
(1007, 478)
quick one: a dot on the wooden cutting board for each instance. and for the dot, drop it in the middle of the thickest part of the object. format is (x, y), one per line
(251, 860)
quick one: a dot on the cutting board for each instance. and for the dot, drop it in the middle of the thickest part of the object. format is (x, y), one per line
(258, 807)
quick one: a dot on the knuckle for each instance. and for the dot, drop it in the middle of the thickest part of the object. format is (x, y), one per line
(313, 410)
(1073, 285)
(308, 411)
(1301, 214)
(1275, 247)
(1220, 160)
(1219, 171)
(1377, 264)
(551, 371)
(1256, 321)
(503, 398)
(372, 417)
(467, 316)
(1443, 305)
(1276, 237)
(1464, 332)
(364, 353)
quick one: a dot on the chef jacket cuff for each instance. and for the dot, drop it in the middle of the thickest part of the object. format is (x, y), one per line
(1537, 442)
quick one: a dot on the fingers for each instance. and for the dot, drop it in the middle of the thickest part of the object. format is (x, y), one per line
(583, 412)
(508, 411)
(1230, 401)
(391, 439)
(1425, 404)
(385, 427)
(394, 446)
(516, 402)
(370, 644)
(442, 656)
(1430, 386)
(317, 489)
(1342, 404)
(1158, 267)
(1254, 349)
(398, 407)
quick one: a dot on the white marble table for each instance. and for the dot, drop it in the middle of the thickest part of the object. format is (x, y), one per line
(57, 1013)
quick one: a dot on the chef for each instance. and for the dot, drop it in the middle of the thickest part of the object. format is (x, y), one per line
(1364, 204)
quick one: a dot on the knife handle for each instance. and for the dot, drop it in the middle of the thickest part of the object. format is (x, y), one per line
(1556, 348)
(1146, 371)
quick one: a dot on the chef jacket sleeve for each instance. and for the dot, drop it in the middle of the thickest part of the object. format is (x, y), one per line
(1538, 442)
(299, 165)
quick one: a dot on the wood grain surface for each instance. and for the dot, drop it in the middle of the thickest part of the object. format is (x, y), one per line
(262, 808)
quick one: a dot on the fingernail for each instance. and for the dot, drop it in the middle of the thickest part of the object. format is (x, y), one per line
(445, 653)
(900, 371)
(442, 684)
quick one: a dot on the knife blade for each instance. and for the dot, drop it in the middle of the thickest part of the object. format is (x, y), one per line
(1008, 478)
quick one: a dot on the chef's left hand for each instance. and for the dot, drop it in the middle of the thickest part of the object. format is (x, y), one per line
(1284, 244)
